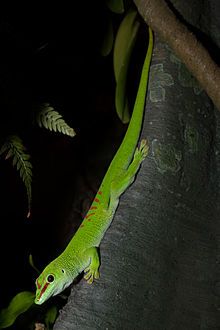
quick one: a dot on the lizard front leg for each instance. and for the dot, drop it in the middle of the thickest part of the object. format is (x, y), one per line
(92, 270)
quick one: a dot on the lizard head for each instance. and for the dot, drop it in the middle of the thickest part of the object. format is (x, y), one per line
(51, 282)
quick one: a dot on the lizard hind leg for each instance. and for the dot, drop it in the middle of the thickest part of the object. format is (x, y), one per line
(141, 152)
(122, 182)
(92, 270)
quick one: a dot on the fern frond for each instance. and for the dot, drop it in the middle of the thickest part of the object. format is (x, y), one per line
(50, 119)
(14, 148)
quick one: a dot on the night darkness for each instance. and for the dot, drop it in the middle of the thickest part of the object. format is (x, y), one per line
(160, 261)
(50, 55)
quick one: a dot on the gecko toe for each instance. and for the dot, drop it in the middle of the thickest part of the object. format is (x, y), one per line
(90, 275)
(142, 151)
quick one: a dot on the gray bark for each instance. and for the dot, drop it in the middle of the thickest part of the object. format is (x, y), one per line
(160, 257)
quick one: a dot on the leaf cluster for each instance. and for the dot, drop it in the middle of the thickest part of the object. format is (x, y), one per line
(122, 45)
(13, 147)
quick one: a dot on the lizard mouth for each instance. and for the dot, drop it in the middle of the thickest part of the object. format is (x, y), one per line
(40, 298)
(37, 299)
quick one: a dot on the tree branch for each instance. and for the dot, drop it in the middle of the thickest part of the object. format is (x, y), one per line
(162, 20)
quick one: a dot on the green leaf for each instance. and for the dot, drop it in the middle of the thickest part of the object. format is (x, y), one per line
(15, 149)
(31, 262)
(124, 44)
(116, 6)
(50, 316)
(108, 39)
(50, 119)
(18, 305)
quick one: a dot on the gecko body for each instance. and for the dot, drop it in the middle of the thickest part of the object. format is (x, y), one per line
(81, 253)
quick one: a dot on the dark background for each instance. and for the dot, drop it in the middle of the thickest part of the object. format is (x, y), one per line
(52, 54)
(160, 260)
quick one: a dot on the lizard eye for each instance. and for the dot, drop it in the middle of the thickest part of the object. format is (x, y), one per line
(50, 278)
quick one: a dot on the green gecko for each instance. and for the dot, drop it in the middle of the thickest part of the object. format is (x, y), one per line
(81, 253)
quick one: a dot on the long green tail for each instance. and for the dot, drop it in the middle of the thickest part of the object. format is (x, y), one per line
(126, 150)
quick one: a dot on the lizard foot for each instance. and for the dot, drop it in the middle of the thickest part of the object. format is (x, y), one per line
(141, 152)
(91, 274)
(92, 270)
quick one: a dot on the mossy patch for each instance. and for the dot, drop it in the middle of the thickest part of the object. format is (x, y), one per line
(166, 157)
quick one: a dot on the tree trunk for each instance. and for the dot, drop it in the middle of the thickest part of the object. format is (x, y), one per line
(160, 257)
